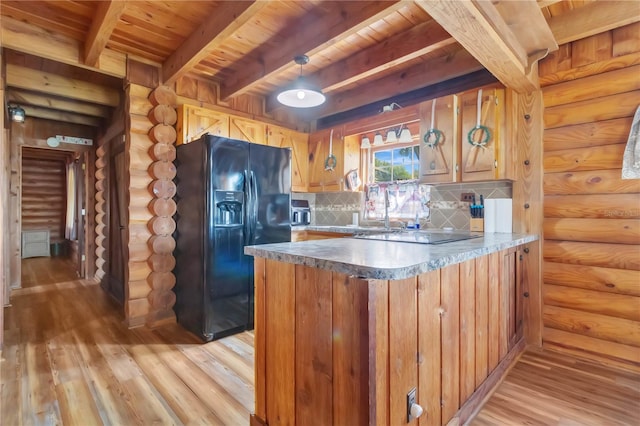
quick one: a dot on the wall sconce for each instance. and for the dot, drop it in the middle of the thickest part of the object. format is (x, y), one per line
(377, 139)
(405, 135)
(391, 136)
(17, 113)
(366, 143)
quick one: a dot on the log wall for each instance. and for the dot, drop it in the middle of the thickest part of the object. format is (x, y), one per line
(44, 194)
(591, 270)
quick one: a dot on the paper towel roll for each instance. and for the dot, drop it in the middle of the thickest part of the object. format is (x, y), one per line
(489, 215)
(504, 215)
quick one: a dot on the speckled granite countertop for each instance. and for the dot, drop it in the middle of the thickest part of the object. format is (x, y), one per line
(383, 259)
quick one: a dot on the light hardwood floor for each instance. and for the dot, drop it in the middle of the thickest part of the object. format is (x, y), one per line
(68, 359)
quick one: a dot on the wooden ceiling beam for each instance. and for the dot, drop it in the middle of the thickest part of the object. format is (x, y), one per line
(52, 84)
(480, 29)
(67, 117)
(23, 98)
(23, 37)
(398, 49)
(212, 33)
(592, 18)
(310, 36)
(104, 22)
(416, 77)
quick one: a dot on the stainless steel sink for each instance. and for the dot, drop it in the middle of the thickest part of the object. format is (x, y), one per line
(421, 237)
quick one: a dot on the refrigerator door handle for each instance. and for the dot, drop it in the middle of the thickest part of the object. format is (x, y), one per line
(254, 205)
(248, 203)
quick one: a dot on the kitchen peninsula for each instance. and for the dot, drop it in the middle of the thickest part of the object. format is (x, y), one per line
(370, 322)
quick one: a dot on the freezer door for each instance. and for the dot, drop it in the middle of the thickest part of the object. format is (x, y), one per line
(271, 185)
(228, 272)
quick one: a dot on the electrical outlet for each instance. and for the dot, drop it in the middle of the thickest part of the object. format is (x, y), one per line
(467, 196)
(411, 399)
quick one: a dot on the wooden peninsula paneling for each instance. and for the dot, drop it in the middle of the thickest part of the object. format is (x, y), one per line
(323, 338)
(591, 270)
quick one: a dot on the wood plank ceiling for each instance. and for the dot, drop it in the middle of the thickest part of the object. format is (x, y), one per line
(361, 52)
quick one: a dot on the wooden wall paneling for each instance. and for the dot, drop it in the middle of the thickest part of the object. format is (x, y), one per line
(504, 304)
(626, 40)
(589, 182)
(593, 254)
(604, 108)
(592, 206)
(482, 319)
(603, 303)
(162, 169)
(403, 347)
(429, 351)
(100, 211)
(607, 132)
(350, 351)
(15, 206)
(588, 70)
(527, 201)
(609, 280)
(621, 355)
(620, 231)
(600, 85)
(581, 159)
(379, 351)
(280, 360)
(314, 344)
(467, 329)
(450, 301)
(591, 49)
(493, 334)
(260, 336)
(90, 214)
(604, 327)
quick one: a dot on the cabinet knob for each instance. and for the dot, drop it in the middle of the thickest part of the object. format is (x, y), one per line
(526, 249)
(527, 162)
(526, 206)
(526, 294)
(416, 411)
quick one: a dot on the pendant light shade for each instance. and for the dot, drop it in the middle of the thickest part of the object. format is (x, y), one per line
(391, 136)
(366, 143)
(377, 139)
(405, 135)
(301, 94)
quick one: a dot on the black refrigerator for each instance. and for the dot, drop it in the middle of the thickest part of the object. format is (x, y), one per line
(230, 193)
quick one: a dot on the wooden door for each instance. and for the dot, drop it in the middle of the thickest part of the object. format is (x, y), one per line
(479, 157)
(438, 141)
(193, 122)
(321, 178)
(247, 130)
(298, 142)
(117, 221)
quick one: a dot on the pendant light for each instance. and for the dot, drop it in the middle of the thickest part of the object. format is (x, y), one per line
(366, 143)
(392, 137)
(377, 139)
(301, 94)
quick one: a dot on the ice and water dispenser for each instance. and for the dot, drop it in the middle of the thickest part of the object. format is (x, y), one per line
(229, 207)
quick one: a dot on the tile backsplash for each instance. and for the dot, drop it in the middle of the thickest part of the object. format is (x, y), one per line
(445, 208)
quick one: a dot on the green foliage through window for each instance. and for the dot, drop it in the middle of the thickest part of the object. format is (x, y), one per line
(397, 164)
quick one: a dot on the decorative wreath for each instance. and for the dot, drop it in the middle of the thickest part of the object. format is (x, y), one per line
(484, 130)
(331, 162)
(432, 138)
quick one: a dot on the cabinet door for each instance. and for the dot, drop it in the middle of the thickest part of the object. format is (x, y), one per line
(438, 155)
(479, 161)
(321, 178)
(247, 130)
(298, 142)
(194, 122)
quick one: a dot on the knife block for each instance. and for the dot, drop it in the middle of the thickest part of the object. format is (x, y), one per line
(476, 224)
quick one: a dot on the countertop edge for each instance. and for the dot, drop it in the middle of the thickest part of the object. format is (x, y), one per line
(298, 253)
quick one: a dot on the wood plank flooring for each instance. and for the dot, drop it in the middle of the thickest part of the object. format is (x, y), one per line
(38, 271)
(547, 388)
(68, 359)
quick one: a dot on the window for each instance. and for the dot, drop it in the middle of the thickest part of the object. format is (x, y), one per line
(397, 163)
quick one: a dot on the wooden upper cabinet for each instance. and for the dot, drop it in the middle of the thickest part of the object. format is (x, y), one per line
(321, 176)
(298, 142)
(481, 160)
(247, 130)
(194, 122)
(439, 153)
